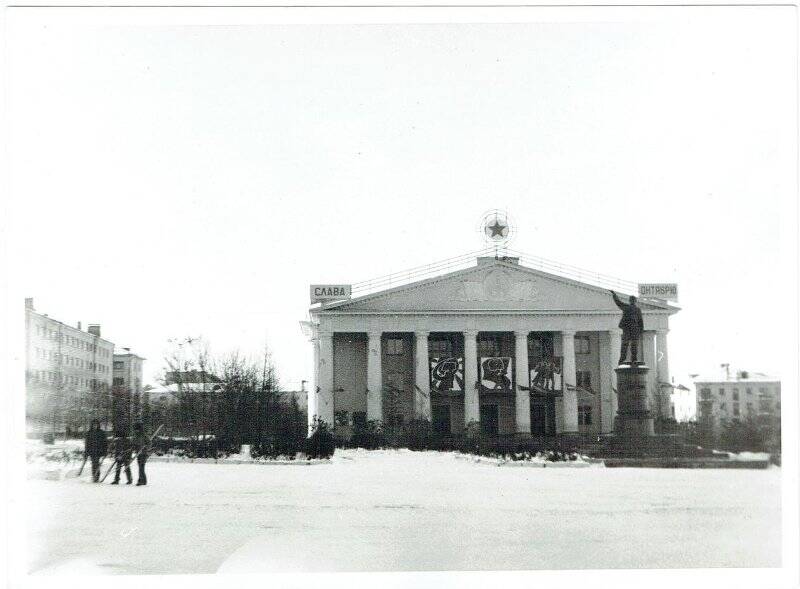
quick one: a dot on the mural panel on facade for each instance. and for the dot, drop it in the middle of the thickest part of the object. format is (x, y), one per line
(496, 373)
(546, 375)
(447, 374)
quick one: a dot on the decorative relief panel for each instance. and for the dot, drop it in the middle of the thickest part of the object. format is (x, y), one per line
(497, 285)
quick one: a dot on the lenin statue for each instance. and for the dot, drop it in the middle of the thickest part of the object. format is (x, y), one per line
(632, 327)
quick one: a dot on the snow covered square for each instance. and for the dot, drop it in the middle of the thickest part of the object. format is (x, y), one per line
(403, 511)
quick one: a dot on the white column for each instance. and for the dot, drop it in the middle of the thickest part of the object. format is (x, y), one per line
(523, 395)
(313, 394)
(614, 349)
(649, 356)
(374, 377)
(471, 393)
(422, 407)
(570, 397)
(606, 383)
(325, 387)
(662, 370)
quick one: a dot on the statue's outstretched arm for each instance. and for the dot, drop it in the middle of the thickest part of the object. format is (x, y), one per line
(617, 301)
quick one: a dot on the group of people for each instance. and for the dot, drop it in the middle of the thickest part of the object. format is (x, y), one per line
(122, 448)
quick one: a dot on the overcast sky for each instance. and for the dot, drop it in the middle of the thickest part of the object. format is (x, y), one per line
(171, 181)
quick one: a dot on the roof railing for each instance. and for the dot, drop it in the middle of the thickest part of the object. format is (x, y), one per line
(469, 259)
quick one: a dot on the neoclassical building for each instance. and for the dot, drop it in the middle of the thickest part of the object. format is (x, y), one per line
(514, 348)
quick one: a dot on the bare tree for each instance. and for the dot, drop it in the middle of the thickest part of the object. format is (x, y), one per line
(230, 400)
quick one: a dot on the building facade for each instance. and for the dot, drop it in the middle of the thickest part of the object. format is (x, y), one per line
(130, 402)
(68, 374)
(745, 396)
(684, 404)
(514, 349)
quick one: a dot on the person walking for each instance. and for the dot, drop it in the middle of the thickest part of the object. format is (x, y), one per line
(122, 456)
(95, 447)
(140, 446)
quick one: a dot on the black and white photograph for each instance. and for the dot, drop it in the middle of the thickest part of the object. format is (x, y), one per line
(427, 296)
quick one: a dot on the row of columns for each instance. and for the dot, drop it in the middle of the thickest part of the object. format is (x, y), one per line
(321, 403)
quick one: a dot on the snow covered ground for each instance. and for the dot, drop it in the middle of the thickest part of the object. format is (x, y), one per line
(400, 511)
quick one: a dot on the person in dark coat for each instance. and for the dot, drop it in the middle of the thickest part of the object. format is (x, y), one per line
(632, 326)
(141, 449)
(95, 447)
(122, 457)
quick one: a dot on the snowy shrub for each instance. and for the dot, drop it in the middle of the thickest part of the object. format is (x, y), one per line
(473, 430)
(277, 447)
(321, 443)
(370, 436)
(507, 448)
(417, 435)
(190, 447)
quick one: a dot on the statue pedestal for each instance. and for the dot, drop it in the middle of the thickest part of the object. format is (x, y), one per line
(633, 419)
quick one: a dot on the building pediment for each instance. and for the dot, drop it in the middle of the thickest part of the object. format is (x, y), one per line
(496, 285)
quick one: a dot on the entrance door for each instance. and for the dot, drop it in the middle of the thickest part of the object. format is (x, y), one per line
(440, 417)
(349, 377)
(394, 399)
(543, 417)
(489, 420)
(538, 419)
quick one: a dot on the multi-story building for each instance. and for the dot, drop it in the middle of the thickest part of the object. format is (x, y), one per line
(683, 403)
(740, 397)
(68, 374)
(300, 397)
(129, 400)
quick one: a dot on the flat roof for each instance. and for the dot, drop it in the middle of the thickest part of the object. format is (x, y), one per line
(68, 326)
(752, 377)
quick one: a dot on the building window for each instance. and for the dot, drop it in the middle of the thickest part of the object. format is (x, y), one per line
(118, 381)
(584, 415)
(440, 347)
(764, 405)
(735, 394)
(736, 409)
(749, 391)
(705, 394)
(582, 344)
(722, 392)
(488, 348)
(584, 379)
(394, 346)
(722, 407)
(118, 364)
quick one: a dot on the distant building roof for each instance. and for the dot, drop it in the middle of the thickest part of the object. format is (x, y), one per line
(743, 376)
(126, 352)
(175, 388)
(191, 376)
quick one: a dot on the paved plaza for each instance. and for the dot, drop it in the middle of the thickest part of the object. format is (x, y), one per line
(402, 511)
